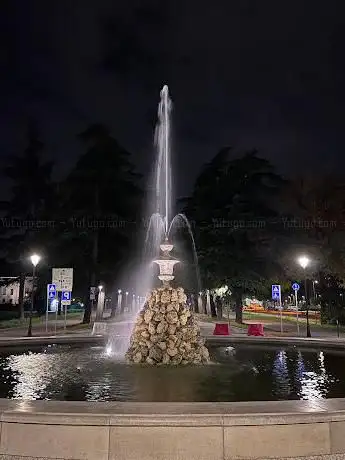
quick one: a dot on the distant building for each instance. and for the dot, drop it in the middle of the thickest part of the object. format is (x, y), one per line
(9, 290)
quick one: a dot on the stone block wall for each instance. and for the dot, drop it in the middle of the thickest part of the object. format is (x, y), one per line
(129, 431)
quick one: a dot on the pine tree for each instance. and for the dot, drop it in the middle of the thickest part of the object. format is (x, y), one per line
(99, 201)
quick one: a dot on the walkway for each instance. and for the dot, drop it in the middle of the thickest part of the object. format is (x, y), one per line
(39, 329)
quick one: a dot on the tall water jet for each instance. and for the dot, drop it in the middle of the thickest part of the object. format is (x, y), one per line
(163, 173)
(166, 331)
(162, 221)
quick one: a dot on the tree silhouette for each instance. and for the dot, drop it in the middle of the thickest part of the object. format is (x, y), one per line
(99, 201)
(27, 213)
(233, 207)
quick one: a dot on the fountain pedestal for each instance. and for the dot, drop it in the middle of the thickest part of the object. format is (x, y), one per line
(166, 331)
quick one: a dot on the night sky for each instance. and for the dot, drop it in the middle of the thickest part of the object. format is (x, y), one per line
(263, 74)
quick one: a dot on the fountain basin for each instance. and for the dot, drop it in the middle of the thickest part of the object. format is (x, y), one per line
(158, 428)
(184, 431)
(237, 372)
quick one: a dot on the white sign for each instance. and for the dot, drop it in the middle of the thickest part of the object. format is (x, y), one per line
(66, 298)
(92, 293)
(63, 278)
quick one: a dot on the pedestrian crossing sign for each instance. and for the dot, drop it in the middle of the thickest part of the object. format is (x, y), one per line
(276, 292)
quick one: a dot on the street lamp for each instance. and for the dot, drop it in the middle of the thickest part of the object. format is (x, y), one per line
(314, 292)
(100, 287)
(119, 301)
(34, 260)
(304, 262)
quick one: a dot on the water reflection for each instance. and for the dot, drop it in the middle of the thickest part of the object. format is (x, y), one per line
(315, 383)
(281, 379)
(242, 373)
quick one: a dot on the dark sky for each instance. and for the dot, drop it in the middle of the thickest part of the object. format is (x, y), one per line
(264, 74)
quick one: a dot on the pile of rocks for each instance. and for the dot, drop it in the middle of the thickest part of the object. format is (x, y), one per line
(166, 331)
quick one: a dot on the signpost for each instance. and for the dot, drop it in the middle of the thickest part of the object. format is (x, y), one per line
(66, 300)
(295, 287)
(51, 301)
(92, 293)
(276, 295)
(63, 279)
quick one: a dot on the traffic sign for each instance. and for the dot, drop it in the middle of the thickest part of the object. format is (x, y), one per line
(52, 300)
(51, 291)
(276, 292)
(295, 286)
(63, 278)
(92, 293)
(66, 297)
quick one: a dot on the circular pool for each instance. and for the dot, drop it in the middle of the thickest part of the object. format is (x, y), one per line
(237, 373)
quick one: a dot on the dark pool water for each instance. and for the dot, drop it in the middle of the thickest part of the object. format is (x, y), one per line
(240, 374)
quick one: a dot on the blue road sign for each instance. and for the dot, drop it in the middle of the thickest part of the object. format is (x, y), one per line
(276, 291)
(295, 286)
(51, 290)
(51, 298)
(66, 295)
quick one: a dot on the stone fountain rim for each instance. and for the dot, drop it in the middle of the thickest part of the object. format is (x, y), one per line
(167, 413)
(151, 413)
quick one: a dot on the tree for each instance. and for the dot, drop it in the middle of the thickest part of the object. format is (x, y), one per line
(332, 298)
(317, 204)
(233, 206)
(99, 201)
(27, 214)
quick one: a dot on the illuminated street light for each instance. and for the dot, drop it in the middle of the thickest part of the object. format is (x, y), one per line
(35, 258)
(314, 291)
(120, 305)
(304, 262)
(100, 287)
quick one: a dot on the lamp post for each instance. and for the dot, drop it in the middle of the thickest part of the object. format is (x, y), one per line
(126, 306)
(200, 305)
(100, 303)
(304, 262)
(314, 293)
(119, 301)
(34, 260)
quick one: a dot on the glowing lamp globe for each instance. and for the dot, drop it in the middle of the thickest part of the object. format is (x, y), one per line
(35, 259)
(303, 261)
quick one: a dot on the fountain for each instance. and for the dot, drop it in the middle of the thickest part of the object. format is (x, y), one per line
(165, 331)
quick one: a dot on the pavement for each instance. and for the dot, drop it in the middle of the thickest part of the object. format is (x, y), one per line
(271, 328)
(39, 329)
(290, 329)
